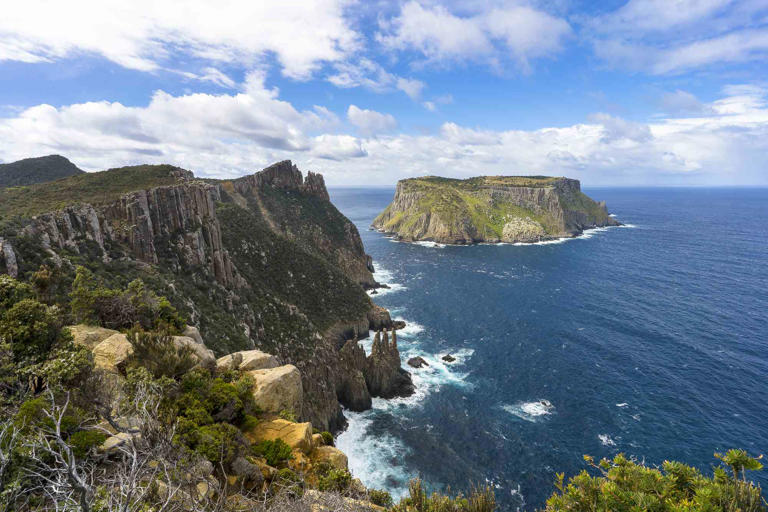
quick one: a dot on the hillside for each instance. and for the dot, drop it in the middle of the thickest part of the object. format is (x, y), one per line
(36, 170)
(491, 209)
(264, 261)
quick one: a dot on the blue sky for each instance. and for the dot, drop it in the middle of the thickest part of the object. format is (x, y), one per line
(638, 92)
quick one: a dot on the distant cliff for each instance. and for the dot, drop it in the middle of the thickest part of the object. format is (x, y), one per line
(490, 209)
(264, 261)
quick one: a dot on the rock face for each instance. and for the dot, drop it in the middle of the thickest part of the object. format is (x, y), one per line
(263, 262)
(383, 374)
(278, 389)
(88, 335)
(296, 435)
(508, 209)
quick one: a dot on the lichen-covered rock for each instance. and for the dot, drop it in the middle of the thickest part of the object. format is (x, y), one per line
(194, 333)
(278, 389)
(203, 354)
(296, 435)
(112, 353)
(113, 443)
(330, 455)
(247, 360)
(89, 335)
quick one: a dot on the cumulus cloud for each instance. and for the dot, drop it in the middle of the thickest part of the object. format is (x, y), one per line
(231, 134)
(142, 34)
(517, 32)
(370, 122)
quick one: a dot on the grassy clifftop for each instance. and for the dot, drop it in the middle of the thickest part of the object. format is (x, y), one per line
(490, 209)
(95, 188)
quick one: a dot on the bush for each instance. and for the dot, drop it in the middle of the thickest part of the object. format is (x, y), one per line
(287, 415)
(275, 452)
(31, 328)
(380, 498)
(91, 302)
(625, 485)
(83, 441)
(12, 291)
(327, 438)
(333, 479)
(480, 499)
(159, 354)
(219, 443)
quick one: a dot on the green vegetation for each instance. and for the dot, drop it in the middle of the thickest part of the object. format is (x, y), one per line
(327, 438)
(36, 170)
(479, 499)
(334, 479)
(276, 452)
(625, 485)
(157, 352)
(94, 188)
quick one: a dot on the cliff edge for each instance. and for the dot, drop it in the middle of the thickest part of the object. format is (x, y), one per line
(490, 209)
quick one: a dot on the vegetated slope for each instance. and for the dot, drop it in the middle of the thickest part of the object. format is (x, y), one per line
(263, 261)
(490, 209)
(36, 170)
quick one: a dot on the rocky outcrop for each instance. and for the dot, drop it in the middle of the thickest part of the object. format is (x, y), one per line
(112, 353)
(88, 335)
(417, 362)
(508, 209)
(383, 374)
(352, 390)
(246, 360)
(278, 389)
(296, 435)
(8, 258)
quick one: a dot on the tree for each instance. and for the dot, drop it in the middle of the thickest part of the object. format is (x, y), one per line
(31, 329)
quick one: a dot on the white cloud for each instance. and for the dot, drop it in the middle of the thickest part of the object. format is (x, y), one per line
(681, 102)
(142, 34)
(370, 122)
(367, 73)
(519, 32)
(231, 134)
(675, 36)
(411, 87)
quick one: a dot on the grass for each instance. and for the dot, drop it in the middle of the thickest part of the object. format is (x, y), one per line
(95, 188)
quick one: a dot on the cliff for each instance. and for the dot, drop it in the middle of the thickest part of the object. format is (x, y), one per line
(264, 261)
(490, 209)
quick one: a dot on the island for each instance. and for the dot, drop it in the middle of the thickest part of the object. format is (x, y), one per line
(490, 209)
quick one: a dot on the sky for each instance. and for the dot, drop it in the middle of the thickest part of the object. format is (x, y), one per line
(612, 92)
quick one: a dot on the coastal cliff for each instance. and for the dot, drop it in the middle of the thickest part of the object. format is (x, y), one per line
(490, 209)
(264, 261)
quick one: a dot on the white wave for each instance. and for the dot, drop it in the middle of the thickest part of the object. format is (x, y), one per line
(376, 459)
(530, 411)
(612, 215)
(606, 440)
(411, 328)
(384, 276)
(427, 243)
(622, 404)
(626, 226)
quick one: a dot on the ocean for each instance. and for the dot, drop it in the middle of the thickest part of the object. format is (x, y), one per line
(649, 340)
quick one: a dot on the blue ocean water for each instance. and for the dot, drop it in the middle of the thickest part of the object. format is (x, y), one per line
(651, 340)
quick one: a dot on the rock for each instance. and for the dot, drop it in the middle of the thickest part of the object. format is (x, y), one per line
(278, 389)
(112, 443)
(89, 335)
(522, 229)
(296, 435)
(112, 353)
(203, 354)
(317, 440)
(351, 390)
(267, 471)
(247, 360)
(417, 362)
(249, 474)
(383, 374)
(194, 333)
(448, 358)
(398, 324)
(300, 462)
(9, 257)
(330, 455)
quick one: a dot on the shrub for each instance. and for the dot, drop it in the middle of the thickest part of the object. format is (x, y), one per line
(327, 438)
(333, 479)
(219, 443)
(380, 498)
(83, 441)
(31, 328)
(12, 291)
(480, 499)
(287, 415)
(160, 355)
(625, 485)
(275, 452)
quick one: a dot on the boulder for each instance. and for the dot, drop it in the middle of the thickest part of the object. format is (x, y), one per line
(246, 360)
(89, 335)
(448, 358)
(296, 435)
(203, 354)
(278, 389)
(112, 353)
(417, 362)
(317, 440)
(330, 455)
(247, 475)
(194, 333)
(112, 443)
